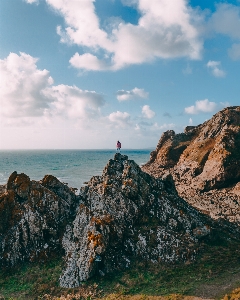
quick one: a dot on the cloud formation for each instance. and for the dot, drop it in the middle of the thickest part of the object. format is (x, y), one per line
(165, 29)
(135, 93)
(215, 67)
(226, 20)
(88, 61)
(32, 1)
(205, 106)
(234, 52)
(147, 112)
(74, 103)
(201, 106)
(22, 86)
(26, 91)
(119, 119)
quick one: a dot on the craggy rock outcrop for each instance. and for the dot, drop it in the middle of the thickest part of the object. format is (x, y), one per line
(123, 215)
(205, 163)
(127, 214)
(33, 217)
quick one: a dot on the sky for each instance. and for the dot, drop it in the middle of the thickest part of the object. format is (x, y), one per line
(82, 74)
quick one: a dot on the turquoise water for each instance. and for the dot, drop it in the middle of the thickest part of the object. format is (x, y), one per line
(70, 166)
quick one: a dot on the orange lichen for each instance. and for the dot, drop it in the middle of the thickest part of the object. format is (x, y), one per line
(91, 260)
(105, 220)
(128, 182)
(181, 212)
(95, 239)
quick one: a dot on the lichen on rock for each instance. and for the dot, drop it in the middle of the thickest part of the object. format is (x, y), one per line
(127, 214)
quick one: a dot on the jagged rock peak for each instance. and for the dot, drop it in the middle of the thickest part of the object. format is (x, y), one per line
(202, 159)
(127, 214)
(122, 215)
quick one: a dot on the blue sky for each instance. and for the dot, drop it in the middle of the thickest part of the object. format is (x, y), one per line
(81, 74)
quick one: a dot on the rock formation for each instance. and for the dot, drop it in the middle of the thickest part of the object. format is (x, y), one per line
(33, 217)
(123, 215)
(205, 163)
(126, 214)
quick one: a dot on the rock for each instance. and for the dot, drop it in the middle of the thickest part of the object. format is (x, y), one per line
(126, 214)
(2, 189)
(33, 217)
(119, 217)
(205, 163)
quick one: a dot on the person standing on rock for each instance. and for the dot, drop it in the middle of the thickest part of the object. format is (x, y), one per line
(118, 145)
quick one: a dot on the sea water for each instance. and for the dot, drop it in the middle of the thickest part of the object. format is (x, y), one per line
(73, 167)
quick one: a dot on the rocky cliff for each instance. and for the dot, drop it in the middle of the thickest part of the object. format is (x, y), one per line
(33, 217)
(119, 217)
(205, 163)
(127, 214)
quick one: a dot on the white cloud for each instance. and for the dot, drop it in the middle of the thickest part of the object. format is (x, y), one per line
(27, 93)
(74, 103)
(88, 61)
(234, 52)
(147, 112)
(165, 29)
(22, 85)
(82, 23)
(165, 126)
(223, 105)
(190, 121)
(123, 95)
(152, 129)
(215, 66)
(201, 106)
(226, 20)
(120, 119)
(32, 1)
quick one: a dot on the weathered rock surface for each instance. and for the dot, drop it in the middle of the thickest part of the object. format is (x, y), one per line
(127, 214)
(33, 217)
(123, 215)
(205, 163)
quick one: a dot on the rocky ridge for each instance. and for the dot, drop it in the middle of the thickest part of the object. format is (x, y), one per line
(118, 217)
(205, 164)
(129, 213)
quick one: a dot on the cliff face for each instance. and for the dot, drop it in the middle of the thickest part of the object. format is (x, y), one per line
(33, 217)
(126, 214)
(204, 162)
(123, 215)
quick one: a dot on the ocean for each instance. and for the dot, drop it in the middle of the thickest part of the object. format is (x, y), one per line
(73, 167)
